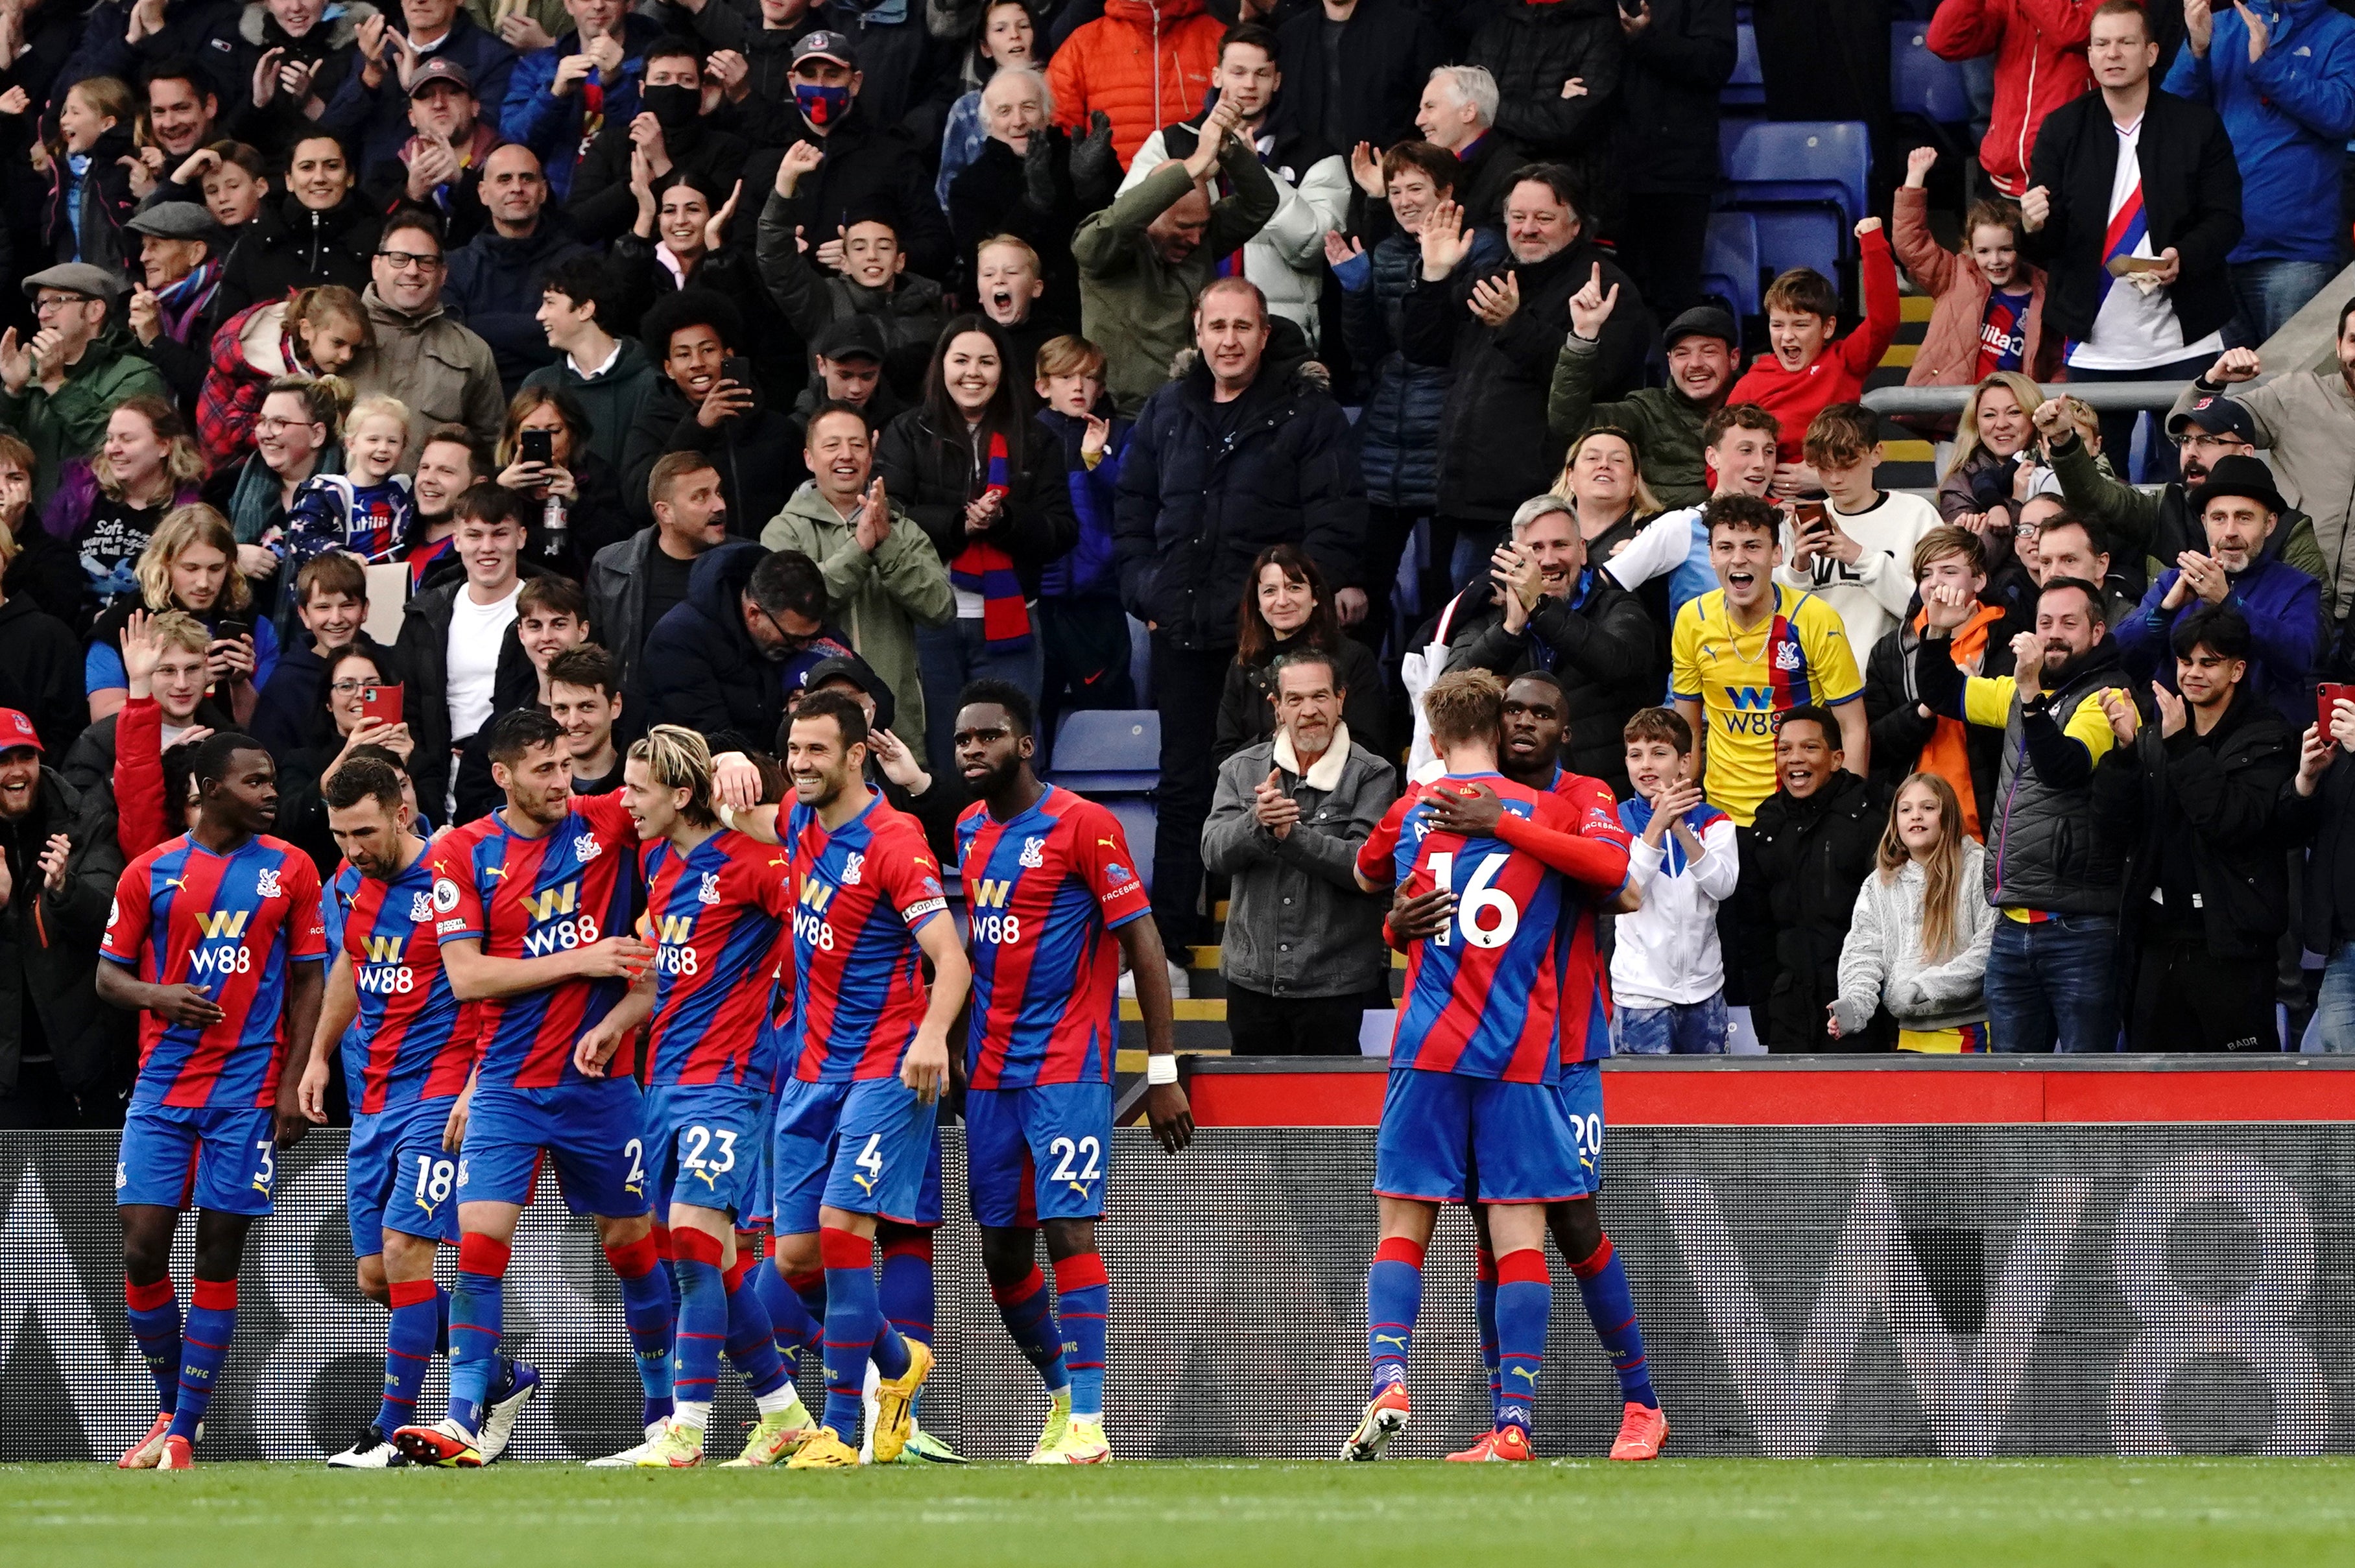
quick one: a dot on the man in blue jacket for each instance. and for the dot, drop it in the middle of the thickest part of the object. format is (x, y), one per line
(2281, 75)
(561, 96)
(2242, 511)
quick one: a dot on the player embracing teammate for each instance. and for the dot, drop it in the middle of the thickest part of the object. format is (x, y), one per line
(1503, 989)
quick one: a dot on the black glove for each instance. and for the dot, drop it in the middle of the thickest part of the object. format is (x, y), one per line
(1039, 174)
(1094, 170)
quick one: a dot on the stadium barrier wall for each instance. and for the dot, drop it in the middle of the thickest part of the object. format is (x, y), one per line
(1934, 1290)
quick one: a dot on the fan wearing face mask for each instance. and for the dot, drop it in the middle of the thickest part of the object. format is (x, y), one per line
(671, 135)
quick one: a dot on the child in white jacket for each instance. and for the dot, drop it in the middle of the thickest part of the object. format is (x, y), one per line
(1667, 976)
(1918, 941)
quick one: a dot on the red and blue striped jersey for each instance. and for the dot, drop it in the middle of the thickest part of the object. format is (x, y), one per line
(228, 924)
(861, 893)
(529, 897)
(717, 916)
(415, 1039)
(1586, 978)
(1483, 997)
(1045, 891)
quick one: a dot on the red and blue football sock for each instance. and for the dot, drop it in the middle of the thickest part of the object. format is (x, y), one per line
(204, 1345)
(751, 1343)
(667, 1257)
(408, 1350)
(702, 1324)
(645, 1308)
(792, 1328)
(1484, 1312)
(906, 1293)
(1524, 1303)
(855, 1329)
(476, 1319)
(1610, 1307)
(154, 1314)
(1082, 1304)
(1393, 1301)
(1030, 1318)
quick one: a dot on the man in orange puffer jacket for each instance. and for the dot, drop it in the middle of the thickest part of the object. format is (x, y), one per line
(1144, 63)
(2040, 64)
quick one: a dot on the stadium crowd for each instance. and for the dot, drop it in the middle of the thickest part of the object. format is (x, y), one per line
(380, 373)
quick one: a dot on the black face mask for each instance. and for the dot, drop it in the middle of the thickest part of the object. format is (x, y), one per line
(672, 106)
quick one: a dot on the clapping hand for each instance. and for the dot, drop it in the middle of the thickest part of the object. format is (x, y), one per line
(2125, 720)
(2200, 576)
(897, 762)
(1340, 249)
(1276, 811)
(874, 517)
(1494, 303)
(1099, 433)
(1366, 168)
(2170, 711)
(54, 856)
(715, 230)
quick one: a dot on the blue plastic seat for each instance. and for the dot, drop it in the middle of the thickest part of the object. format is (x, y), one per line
(1730, 262)
(1802, 162)
(1800, 237)
(1138, 821)
(1109, 751)
(1747, 84)
(1920, 84)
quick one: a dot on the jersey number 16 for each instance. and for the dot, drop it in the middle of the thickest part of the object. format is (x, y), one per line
(1487, 915)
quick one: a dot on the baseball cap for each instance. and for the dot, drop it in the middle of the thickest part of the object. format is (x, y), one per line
(2218, 415)
(1702, 321)
(440, 68)
(858, 673)
(16, 730)
(847, 337)
(76, 278)
(825, 44)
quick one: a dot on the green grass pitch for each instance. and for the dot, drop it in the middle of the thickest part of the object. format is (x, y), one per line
(2085, 1514)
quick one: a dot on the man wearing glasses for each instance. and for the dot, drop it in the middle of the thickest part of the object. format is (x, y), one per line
(2206, 426)
(57, 389)
(441, 371)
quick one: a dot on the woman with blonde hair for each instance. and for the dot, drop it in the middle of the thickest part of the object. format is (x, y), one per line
(1603, 480)
(1917, 944)
(106, 507)
(89, 196)
(1988, 475)
(190, 566)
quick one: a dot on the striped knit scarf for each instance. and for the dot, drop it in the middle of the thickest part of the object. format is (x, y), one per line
(985, 569)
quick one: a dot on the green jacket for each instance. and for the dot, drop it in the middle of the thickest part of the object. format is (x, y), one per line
(879, 600)
(1666, 424)
(72, 421)
(1138, 308)
(2158, 524)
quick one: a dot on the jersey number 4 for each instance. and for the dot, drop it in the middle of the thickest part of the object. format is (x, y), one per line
(1487, 916)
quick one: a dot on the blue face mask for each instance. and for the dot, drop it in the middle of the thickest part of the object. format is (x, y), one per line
(820, 104)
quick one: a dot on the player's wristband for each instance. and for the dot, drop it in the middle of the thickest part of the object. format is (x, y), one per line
(725, 812)
(1160, 1069)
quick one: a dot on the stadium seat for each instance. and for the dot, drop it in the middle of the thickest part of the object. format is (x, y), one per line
(1729, 263)
(1108, 751)
(1799, 237)
(1802, 163)
(1137, 825)
(1747, 86)
(1921, 85)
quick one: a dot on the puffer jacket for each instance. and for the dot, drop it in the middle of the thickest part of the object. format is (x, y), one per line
(1398, 429)
(1201, 494)
(1496, 450)
(1949, 354)
(2040, 64)
(700, 668)
(932, 475)
(1800, 874)
(1531, 48)
(331, 47)
(1881, 963)
(287, 247)
(2047, 852)
(1144, 63)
